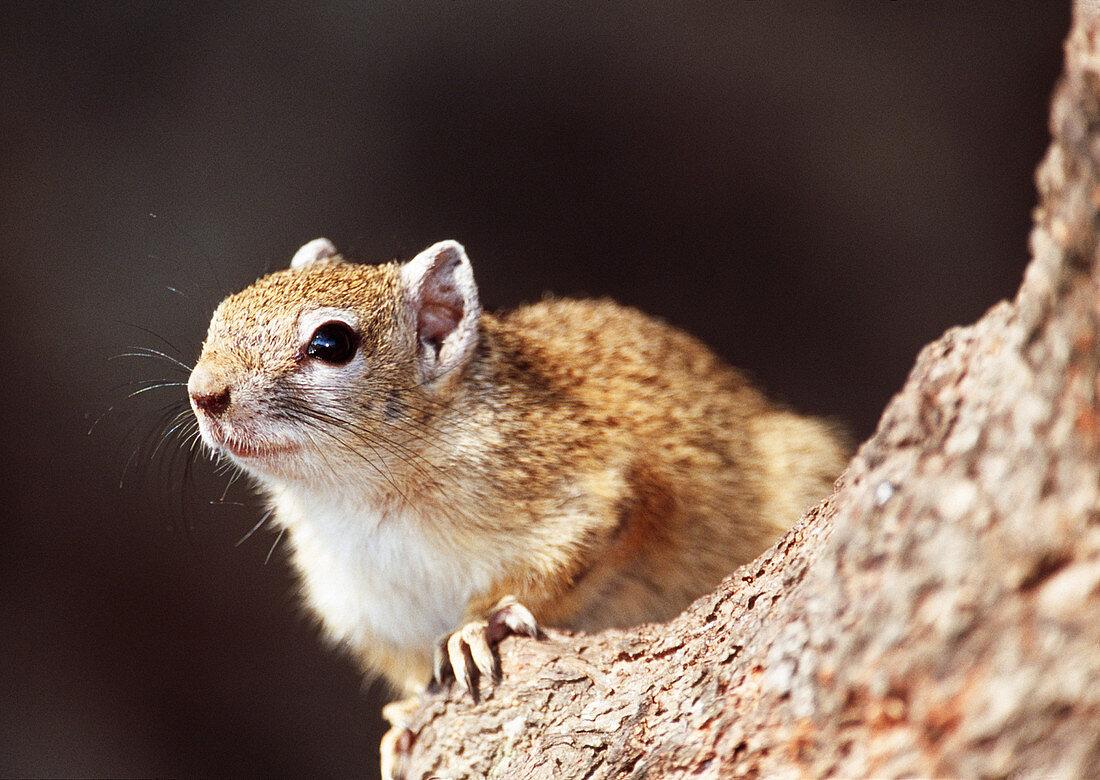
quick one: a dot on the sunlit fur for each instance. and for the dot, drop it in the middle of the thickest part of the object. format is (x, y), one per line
(600, 466)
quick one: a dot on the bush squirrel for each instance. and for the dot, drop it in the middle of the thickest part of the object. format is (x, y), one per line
(446, 475)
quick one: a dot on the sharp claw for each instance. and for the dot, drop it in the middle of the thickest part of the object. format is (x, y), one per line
(478, 643)
(457, 650)
(520, 620)
(470, 652)
(441, 668)
(511, 617)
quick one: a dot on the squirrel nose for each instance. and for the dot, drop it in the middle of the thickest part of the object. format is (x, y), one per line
(208, 392)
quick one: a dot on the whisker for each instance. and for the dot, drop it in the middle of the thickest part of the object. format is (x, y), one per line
(157, 436)
(386, 475)
(415, 461)
(440, 436)
(147, 382)
(156, 386)
(232, 480)
(275, 544)
(414, 427)
(176, 423)
(367, 437)
(149, 352)
(266, 516)
(154, 334)
(151, 434)
(224, 466)
(102, 414)
(191, 442)
(196, 441)
(126, 469)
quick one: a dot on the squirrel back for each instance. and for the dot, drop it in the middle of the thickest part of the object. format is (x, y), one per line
(691, 470)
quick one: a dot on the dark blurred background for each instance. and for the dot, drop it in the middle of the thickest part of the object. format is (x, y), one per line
(815, 189)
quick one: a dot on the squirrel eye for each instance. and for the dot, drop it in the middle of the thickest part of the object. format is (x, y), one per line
(333, 342)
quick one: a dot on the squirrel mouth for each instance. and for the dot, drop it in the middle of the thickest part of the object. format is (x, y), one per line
(246, 448)
(247, 451)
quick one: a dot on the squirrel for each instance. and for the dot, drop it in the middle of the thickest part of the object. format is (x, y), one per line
(447, 476)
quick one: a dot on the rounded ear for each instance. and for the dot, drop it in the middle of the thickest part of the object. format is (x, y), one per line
(316, 250)
(440, 290)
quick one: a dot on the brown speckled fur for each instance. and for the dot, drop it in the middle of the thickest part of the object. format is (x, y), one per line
(608, 466)
(661, 439)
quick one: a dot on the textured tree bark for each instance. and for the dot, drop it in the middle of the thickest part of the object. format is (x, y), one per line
(938, 615)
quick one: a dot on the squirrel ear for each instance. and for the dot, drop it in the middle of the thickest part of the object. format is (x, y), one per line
(439, 285)
(316, 250)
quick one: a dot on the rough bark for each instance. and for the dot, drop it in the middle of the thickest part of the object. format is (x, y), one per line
(938, 615)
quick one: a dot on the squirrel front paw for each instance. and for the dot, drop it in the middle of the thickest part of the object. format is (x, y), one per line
(471, 651)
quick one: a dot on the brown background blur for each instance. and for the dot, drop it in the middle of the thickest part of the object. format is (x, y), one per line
(815, 189)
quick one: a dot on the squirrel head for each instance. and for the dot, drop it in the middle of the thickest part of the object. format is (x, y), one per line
(330, 352)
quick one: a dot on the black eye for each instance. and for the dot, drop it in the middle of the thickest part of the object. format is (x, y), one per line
(334, 342)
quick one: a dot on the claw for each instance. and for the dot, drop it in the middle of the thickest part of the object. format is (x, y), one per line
(511, 617)
(477, 639)
(459, 654)
(470, 652)
(441, 666)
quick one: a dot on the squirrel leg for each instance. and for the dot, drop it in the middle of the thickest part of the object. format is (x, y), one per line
(471, 651)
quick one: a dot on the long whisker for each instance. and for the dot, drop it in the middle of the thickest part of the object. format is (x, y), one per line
(146, 384)
(367, 437)
(156, 335)
(149, 352)
(156, 386)
(275, 544)
(439, 435)
(232, 480)
(170, 419)
(386, 475)
(264, 519)
(177, 422)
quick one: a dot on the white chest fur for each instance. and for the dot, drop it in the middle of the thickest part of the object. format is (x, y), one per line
(376, 576)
